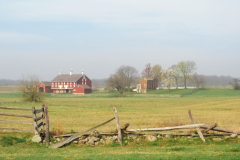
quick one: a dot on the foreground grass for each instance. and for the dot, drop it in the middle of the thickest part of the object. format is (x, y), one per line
(173, 148)
(230, 151)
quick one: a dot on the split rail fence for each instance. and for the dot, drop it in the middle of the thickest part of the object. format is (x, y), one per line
(148, 131)
(39, 119)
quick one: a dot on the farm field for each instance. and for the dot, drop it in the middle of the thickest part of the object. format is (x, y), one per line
(8, 89)
(208, 106)
(77, 114)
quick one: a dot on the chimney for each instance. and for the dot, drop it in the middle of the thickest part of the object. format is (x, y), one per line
(82, 72)
(71, 72)
(59, 72)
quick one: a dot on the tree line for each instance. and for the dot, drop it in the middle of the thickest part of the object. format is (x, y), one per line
(183, 73)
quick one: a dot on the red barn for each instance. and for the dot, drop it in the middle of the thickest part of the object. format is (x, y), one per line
(45, 87)
(71, 83)
(147, 84)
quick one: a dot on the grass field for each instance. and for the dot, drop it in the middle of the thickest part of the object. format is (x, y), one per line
(208, 106)
(8, 89)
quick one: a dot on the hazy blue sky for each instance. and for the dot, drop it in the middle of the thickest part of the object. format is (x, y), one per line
(98, 36)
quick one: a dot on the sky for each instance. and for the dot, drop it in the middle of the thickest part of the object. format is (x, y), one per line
(98, 36)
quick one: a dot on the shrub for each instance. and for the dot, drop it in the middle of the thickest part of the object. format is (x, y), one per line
(28, 86)
(235, 84)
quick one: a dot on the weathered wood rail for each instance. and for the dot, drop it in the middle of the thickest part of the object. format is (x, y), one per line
(37, 126)
(167, 128)
(16, 115)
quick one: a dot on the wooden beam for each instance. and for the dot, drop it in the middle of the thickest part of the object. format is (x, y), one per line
(38, 118)
(198, 130)
(40, 124)
(150, 133)
(75, 136)
(86, 134)
(38, 110)
(47, 125)
(220, 130)
(15, 114)
(179, 134)
(118, 126)
(2, 121)
(209, 128)
(12, 108)
(167, 128)
(42, 120)
(16, 129)
(125, 126)
(34, 121)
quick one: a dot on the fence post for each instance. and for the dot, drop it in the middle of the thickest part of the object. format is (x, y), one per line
(42, 120)
(118, 126)
(35, 127)
(47, 125)
(198, 130)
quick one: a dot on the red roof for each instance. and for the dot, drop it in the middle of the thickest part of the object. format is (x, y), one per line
(67, 78)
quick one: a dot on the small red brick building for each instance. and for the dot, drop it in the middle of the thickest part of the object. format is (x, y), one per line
(71, 83)
(45, 87)
(148, 84)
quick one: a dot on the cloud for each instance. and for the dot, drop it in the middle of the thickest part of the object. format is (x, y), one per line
(203, 17)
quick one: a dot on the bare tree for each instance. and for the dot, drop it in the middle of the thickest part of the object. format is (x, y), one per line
(168, 79)
(129, 73)
(124, 77)
(235, 84)
(185, 70)
(176, 75)
(146, 71)
(198, 80)
(157, 73)
(118, 82)
(28, 86)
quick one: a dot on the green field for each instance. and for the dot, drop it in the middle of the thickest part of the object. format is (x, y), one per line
(72, 113)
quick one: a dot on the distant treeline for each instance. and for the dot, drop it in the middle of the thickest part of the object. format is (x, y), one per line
(8, 82)
(99, 82)
(217, 80)
(208, 81)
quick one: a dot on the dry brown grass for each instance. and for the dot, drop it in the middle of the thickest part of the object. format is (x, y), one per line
(81, 113)
(8, 89)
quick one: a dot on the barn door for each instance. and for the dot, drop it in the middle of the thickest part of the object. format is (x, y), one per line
(41, 89)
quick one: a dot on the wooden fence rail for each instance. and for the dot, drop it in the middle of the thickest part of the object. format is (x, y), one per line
(11, 108)
(16, 115)
(37, 126)
(2, 121)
